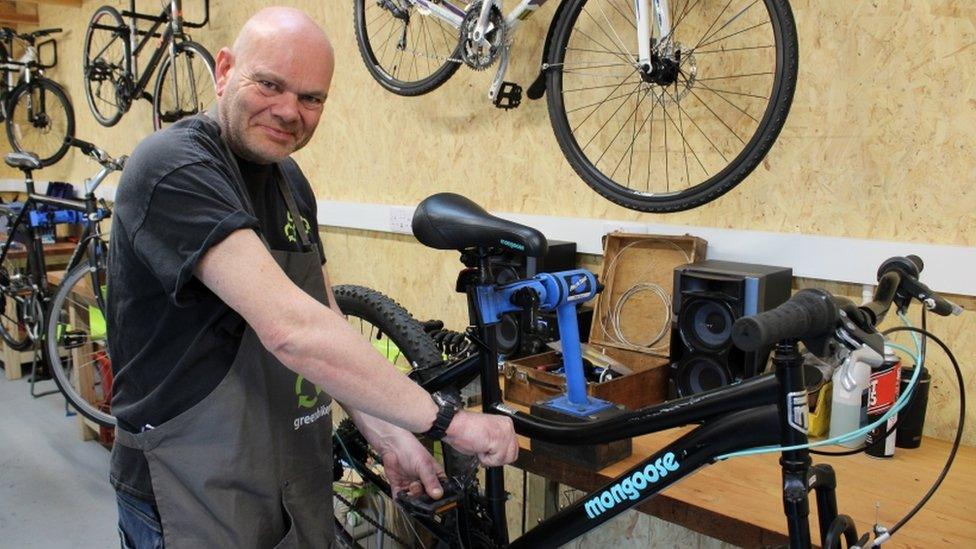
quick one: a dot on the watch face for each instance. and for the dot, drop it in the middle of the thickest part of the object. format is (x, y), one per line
(443, 399)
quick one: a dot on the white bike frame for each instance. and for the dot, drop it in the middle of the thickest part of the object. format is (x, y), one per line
(454, 16)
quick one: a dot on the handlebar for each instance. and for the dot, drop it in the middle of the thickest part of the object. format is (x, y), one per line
(811, 314)
(97, 153)
(6, 33)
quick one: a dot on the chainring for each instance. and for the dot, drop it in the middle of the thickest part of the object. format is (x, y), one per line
(478, 57)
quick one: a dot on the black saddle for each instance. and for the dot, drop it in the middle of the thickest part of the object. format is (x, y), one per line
(448, 221)
(23, 160)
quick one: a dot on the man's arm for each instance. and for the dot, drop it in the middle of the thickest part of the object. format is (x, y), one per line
(317, 342)
(309, 338)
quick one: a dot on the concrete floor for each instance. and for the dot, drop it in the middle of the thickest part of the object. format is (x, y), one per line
(54, 489)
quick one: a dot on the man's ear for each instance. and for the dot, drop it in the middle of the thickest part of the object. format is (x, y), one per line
(222, 70)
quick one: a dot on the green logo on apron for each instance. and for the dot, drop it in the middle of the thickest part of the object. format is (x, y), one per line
(306, 401)
(290, 233)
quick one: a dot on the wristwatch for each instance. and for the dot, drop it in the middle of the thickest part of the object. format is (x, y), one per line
(447, 407)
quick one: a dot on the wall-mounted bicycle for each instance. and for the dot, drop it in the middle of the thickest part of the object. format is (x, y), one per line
(659, 105)
(36, 109)
(185, 81)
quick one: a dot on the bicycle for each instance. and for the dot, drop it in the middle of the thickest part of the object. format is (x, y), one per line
(185, 83)
(618, 79)
(36, 109)
(769, 410)
(71, 318)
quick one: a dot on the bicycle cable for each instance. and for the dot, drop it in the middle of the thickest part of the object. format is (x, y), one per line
(615, 331)
(878, 540)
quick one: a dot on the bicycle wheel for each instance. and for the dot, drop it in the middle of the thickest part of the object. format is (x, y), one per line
(40, 119)
(407, 52)
(363, 508)
(20, 310)
(185, 85)
(107, 66)
(693, 127)
(76, 344)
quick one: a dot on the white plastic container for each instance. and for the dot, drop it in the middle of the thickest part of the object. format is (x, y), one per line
(848, 409)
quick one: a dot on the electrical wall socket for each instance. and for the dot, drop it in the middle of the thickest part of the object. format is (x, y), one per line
(400, 219)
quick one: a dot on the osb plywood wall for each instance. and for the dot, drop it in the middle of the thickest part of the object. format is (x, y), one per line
(878, 145)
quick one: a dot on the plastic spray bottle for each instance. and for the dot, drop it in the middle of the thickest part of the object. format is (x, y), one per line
(851, 382)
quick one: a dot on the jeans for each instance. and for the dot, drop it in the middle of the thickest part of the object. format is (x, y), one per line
(139, 525)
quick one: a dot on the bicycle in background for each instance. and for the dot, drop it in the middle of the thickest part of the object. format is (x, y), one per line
(36, 110)
(69, 322)
(185, 83)
(658, 105)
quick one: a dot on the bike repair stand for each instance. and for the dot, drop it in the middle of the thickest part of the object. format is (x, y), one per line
(576, 406)
(563, 292)
(560, 292)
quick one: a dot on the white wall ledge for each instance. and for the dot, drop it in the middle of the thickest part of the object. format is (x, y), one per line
(948, 269)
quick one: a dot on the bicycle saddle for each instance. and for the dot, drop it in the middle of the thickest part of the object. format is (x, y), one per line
(23, 160)
(448, 221)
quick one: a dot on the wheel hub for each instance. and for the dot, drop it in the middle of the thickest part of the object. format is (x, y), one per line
(663, 71)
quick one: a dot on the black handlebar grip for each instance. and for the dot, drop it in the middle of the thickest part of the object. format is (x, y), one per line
(808, 313)
(85, 146)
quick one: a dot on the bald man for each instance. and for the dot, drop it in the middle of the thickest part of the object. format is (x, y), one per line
(225, 349)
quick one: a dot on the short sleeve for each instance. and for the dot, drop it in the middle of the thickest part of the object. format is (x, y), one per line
(189, 211)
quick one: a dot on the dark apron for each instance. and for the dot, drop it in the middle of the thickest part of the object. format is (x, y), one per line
(251, 464)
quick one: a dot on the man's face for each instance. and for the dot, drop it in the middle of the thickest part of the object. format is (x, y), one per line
(271, 98)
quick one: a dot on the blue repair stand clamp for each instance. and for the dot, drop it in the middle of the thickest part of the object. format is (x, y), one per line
(577, 406)
(575, 401)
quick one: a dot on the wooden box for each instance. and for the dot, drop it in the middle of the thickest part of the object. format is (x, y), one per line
(528, 381)
(633, 313)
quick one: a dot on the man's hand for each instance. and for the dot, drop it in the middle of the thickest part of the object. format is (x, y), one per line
(409, 466)
(490, 437)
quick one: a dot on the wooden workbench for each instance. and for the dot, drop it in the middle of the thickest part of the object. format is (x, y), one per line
(739, 501)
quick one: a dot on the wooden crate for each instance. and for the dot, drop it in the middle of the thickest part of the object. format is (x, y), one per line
(526, 382)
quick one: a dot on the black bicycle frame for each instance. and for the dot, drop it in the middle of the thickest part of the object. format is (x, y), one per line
(172, 17)
(35, 248)
(762, 411)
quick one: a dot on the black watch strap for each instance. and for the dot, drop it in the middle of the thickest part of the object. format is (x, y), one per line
(446, 409)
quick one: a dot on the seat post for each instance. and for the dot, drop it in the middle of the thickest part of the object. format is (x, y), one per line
(29, 180)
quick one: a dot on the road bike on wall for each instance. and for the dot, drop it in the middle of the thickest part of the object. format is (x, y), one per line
(69, 322)
(768, 411)
(185, 80)
(658, 105)
(36, 109)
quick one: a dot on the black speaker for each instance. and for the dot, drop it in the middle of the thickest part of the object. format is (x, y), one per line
(707, 299)
(512, 334)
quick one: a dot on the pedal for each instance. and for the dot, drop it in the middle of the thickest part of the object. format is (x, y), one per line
(427, 506)
(509, 96)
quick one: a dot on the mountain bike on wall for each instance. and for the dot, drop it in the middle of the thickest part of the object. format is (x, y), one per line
(36, 110)
(658, 105)
(184, 83)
